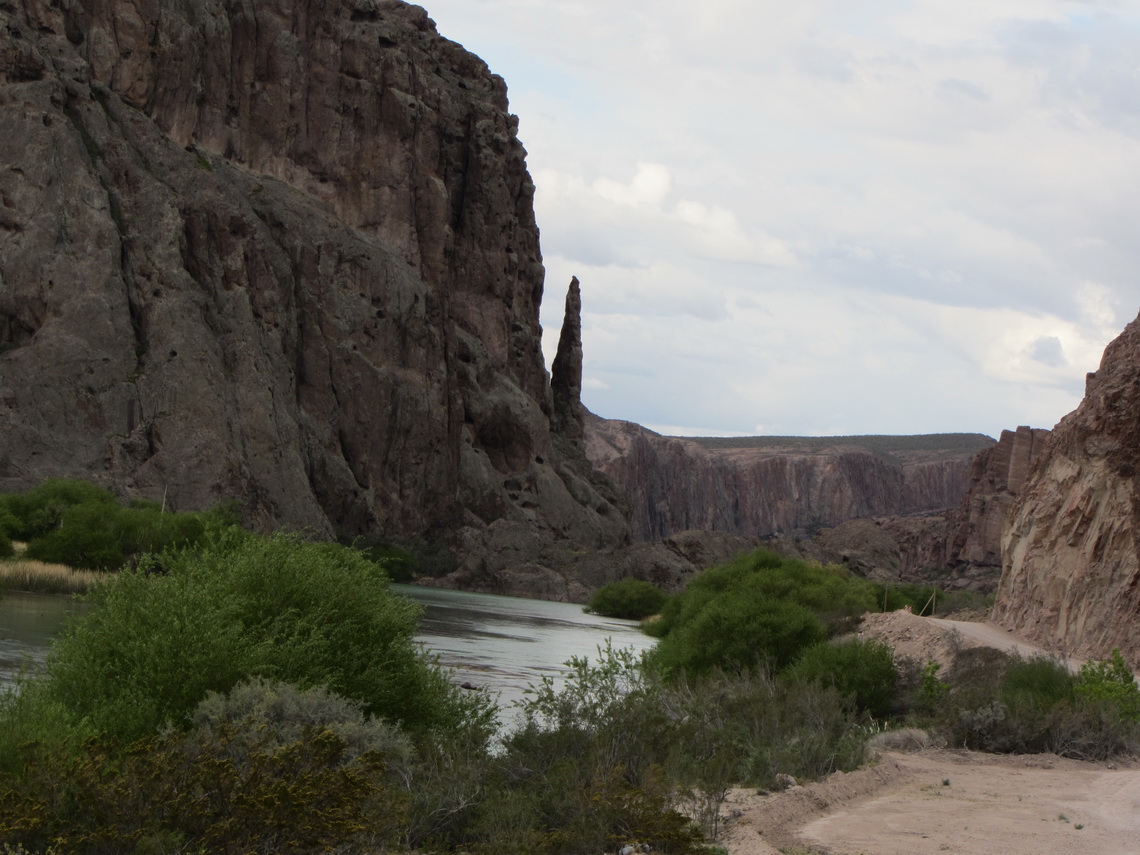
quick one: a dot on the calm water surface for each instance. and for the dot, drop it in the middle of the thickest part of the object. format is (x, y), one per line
(500, 644)
(28, 622)
(504, 644)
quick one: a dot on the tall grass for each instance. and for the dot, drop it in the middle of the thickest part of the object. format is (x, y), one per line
(42, 578)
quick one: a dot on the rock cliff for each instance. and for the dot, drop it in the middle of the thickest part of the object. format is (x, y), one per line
(958, 548)
(760, 486)
(283, 252)
(1071, 548)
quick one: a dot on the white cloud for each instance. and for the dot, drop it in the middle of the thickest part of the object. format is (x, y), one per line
(823, 216)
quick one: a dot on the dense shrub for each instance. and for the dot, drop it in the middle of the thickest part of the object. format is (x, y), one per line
(861, 670)
(738, 631)
(632, 599)
(1009, 704)
(40, 510)
(269, 768)
(829, 592)
(1112, 682)
(194, 621)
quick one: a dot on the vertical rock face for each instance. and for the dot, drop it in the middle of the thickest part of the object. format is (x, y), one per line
(566, 372)
(279, 252)
(965, 542)
(1071, 548)
(759, 486)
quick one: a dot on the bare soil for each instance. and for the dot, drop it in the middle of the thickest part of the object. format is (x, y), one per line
(946, 801)
(937, 801)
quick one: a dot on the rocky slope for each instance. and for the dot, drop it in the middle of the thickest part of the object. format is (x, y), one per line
(279, 252)
(1071, 548)
(765, 485)
(958, 548)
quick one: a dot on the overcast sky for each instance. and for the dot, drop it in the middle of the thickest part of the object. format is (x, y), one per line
(829, 217)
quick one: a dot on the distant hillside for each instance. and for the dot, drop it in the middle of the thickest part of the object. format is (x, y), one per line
(765, 485)
(930, 446)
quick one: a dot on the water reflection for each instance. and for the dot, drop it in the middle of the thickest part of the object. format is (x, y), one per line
(28, 623)
(505, 644)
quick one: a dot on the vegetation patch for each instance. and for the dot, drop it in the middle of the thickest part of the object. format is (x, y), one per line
(631, 599)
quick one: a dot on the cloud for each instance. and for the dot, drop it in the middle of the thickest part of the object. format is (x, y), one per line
(825, 216)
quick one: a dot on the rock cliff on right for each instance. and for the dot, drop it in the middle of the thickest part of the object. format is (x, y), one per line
(1071, 546)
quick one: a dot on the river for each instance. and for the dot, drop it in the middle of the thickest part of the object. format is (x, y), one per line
(498, 644)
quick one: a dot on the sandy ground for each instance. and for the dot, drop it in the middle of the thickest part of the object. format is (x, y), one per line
(936, 801)
(939, 801)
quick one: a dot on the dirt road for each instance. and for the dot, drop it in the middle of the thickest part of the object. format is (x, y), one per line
(939, 801)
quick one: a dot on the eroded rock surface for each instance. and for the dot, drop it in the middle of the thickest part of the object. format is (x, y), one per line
(279, 253)
(1071, 566)
(759, 486)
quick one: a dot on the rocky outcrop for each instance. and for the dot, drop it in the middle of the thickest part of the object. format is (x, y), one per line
(957, 549)
(566, 371)
(1071, 548)
(760, 486)
(279, 253)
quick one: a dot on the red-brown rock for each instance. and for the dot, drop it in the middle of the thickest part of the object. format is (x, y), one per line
(1071, 548)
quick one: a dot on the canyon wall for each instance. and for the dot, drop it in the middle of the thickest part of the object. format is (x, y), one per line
(1071, 547)
(284, 253)
(957, 548)
(761, 486)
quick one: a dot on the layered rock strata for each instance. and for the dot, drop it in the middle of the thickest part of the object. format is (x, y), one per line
(279, 253)
(1071, 548)
(761, 486)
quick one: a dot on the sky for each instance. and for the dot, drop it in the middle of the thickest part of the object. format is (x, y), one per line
(828, 217)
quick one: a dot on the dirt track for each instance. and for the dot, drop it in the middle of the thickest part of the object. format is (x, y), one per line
(992, 805)
(939, 801)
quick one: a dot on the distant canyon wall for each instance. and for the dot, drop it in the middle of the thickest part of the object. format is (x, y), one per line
(764, 486)
(1071, 548)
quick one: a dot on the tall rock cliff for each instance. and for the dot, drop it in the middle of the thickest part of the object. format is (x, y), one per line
(1071, 548)
(283, 252)
(760, 486)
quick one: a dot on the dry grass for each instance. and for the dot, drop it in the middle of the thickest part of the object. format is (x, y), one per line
(41, 578)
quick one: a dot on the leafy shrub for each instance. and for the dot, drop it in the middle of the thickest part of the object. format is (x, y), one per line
(39, 510)
(632, 599)
(861, 670)
(223, 787)
(828, 592)
(310, 614)
(738, 632)
(1007, 704)
(1111, 681)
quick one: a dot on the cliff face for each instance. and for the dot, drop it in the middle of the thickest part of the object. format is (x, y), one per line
(761, 486)
(279, 252)
(1071, 567)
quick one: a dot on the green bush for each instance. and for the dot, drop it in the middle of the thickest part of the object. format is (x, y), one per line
(40, 510)
(309, 777)
(1110, 681)
(739, 631)
(829, 592)
(104, 536)
(861, 670)
(997, 702)
(631, 599)
(190, 622)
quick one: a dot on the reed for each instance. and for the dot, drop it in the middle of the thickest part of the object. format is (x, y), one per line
(42, 578)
